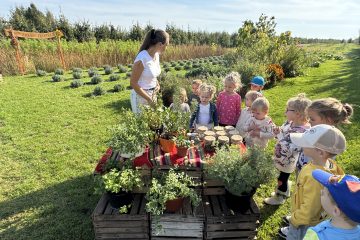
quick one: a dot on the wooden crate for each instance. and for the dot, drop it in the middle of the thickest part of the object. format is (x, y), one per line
(146, 179)
(212, 186)
(186, 224)
(222, 223)
(110, 224)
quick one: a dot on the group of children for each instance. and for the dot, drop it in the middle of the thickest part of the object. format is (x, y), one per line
(307, 144)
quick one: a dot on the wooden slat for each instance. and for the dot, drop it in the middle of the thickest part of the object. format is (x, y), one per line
(100, 207)
(108, 210)
(121, 235)
(135, 204)
(230, 235)
(124, 217)
(231, 226)
(120, 230)
(214, 191)
(111, 224)
(215, 204)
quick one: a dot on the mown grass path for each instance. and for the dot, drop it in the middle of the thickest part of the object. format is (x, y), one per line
(51, 137)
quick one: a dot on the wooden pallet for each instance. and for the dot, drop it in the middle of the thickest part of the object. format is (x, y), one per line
(110, 224)
(223, 223)
(212, 186)
(186, 224)
(194, 172)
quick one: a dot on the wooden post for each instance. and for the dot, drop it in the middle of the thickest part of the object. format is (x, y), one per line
(61, 55)
(15, 43)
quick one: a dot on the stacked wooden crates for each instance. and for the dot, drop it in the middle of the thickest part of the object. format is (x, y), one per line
(222, 222)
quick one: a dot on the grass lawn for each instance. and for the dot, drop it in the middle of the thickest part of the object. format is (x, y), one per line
(51, 137)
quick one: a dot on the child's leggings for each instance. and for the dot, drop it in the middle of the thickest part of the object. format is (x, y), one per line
(283, 181)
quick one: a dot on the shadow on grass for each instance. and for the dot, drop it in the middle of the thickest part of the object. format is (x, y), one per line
(61, 211)
(118, 106)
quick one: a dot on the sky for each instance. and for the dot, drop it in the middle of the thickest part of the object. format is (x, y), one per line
(338, 19)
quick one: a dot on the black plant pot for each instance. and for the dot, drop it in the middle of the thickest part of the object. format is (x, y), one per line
(117, 200)
(239, 203)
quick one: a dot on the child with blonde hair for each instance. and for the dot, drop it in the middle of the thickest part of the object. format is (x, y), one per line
(245, 114)
(228, 103)
(195, 91)
(259, 127)
(286, 153)
(205, 113)
(326, 111)
(180, 103)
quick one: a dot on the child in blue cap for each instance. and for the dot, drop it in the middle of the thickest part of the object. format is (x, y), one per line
(257, 84)
(340, 198)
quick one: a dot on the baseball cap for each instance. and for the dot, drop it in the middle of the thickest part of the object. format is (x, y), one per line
(345, 192)
(258, 80)
(325, 137)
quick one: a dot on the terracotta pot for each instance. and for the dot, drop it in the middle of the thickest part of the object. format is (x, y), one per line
(174, 205)
(167, 146)
(181, 151)
(117, 200)
(239, 203)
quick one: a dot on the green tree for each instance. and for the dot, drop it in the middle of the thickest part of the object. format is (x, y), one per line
(82, 31)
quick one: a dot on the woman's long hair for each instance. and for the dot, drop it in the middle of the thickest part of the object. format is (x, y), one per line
(153, 37)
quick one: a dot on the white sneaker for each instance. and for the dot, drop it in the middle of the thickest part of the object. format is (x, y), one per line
(287, 192)
(283, 232)
(275, 200)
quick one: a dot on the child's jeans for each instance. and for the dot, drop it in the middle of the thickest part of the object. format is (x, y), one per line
(296, 233)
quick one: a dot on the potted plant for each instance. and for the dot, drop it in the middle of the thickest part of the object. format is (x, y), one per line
(118, 184)
(167, 192)
(131, 136)
(182, 144)
(241, 172)
(173, 122)
(153, 117)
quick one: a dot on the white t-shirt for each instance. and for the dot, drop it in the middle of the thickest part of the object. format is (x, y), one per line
(152, 70)
(204, 114)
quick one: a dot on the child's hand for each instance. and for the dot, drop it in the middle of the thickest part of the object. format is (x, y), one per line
(255, 133)
(276, 130)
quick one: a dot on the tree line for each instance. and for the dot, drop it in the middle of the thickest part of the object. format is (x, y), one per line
(31, 19)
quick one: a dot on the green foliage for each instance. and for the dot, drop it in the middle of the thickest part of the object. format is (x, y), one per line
(41, 73)
(131, 135)
(241, 172)
(77, 70)
(315, 64)
(114, 77)
(59, 71)
(92, 72)
(58, 78)
(77, 75)
(76, 83)
(174, 122)
(96, 79)
(115, 181)
(207, 70)
(182, 140)
(98, 91)
(169, 186)
(108, 70)
(122, 68)
(178, 68)
(118, 88)
(153, 117)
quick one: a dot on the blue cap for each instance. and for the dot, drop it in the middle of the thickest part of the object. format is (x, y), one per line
(258, 80)
(345, 191)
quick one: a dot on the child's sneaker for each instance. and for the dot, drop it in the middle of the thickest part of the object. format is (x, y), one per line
(275, 200)
(286, 219)
(287, 192)
(283, 232)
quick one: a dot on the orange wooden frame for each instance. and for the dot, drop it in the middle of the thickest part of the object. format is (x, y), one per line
(14, 34)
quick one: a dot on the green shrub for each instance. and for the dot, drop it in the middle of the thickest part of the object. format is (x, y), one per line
(92, 72)
(96, 79)
(128, 74)
(59, 71)
(167, 69)
(187, 67)
(77, 75)
(114, 77)
(119, 88)
(122, 68)
(40, 73)
(76, 83)
(315, 64)
(77, 70)
(178, 68)
(248, 70)
(108, 70)
(207, 70)
(130, 65)
(58, 78)
(293, 61)
(98, 90)
(337, 57)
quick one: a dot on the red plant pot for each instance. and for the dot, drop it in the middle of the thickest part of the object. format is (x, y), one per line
(174, 205)
(167, 146)
(182, 151)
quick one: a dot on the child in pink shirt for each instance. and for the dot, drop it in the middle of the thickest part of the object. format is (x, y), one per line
(228, 103)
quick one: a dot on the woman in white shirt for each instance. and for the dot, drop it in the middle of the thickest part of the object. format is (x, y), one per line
(146, 69)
